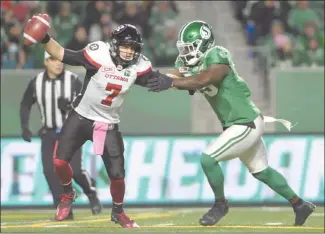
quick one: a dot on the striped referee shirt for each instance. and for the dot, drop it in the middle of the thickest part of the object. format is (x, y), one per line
(45, 92)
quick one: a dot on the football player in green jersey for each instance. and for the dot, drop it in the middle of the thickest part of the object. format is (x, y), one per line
(208, 68)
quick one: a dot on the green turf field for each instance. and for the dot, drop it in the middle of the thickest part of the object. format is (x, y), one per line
(257, 219)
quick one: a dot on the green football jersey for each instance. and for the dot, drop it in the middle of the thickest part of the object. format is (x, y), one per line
(231, 98)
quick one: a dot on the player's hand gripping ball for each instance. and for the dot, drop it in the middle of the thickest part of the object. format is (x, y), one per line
(36, 29)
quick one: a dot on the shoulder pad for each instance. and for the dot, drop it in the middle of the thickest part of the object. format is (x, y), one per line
(143, 65)
(217, 55)
(96, 52)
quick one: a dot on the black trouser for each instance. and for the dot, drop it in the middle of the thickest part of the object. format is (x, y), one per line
(81, 176)
(77, 130)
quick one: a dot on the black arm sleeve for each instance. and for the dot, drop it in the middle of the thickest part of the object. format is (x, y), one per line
(26, 103)
(76, 58)
(143, 79)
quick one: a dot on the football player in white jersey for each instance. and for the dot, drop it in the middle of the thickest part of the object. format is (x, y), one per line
(112, 68)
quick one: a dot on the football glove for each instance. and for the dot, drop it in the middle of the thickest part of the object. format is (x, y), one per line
(160, 83)
(64, 104)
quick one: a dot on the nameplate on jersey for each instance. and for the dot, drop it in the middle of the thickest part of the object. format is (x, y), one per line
(111, 73)
(108, 69)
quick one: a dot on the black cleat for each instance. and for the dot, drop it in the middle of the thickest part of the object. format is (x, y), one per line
(95, 205)
(213, 216)
(302, 212)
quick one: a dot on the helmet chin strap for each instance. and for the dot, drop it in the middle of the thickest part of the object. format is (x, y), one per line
(120, 62)
(194, 57)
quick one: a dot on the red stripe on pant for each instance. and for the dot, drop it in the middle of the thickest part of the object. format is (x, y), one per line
(62, 168)
(117, 189)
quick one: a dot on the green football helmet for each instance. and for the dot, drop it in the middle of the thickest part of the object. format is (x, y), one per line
(194, 40)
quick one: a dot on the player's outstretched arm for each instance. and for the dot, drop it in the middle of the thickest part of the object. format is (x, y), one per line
(213, 75)
(70, 57)
(53, 48)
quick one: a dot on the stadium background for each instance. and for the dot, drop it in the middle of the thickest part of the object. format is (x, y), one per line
(165, 132)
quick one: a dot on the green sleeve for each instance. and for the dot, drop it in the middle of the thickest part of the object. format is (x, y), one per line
(217, 55)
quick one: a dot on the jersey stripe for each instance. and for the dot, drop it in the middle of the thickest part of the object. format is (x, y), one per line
(67, 87)
(217, 154)
(225, 145)
(39, 91)
(58, 116)
(94, 63)
(47, 94)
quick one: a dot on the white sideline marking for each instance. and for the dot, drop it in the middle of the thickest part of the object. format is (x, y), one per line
(276, 209)
(59, 225)
(25, 222)
(273, 224)
(163, 224)
(318, 214)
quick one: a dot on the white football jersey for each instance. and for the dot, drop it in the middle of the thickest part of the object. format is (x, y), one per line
(104, 91)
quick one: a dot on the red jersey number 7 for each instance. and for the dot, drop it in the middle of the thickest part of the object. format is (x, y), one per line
(116, 90)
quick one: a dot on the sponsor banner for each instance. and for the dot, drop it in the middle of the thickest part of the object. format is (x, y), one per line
(166, 170)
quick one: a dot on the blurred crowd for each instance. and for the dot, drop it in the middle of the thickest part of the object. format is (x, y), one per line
(76, 23)
(287, 33)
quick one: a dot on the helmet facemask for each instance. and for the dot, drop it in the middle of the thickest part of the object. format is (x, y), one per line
(137, 47)
(190, 52)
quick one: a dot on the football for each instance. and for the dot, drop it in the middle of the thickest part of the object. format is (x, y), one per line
(36, 29)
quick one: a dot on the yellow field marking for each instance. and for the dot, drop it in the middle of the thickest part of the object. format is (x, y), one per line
(35, 225)
(34, 216)
(170, 226)
(237, 226)
(27, 216)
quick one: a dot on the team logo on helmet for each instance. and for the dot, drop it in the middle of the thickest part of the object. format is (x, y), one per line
(205, 32)
(119, 28)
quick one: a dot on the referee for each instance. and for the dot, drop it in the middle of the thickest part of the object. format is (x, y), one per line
(53, 90)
